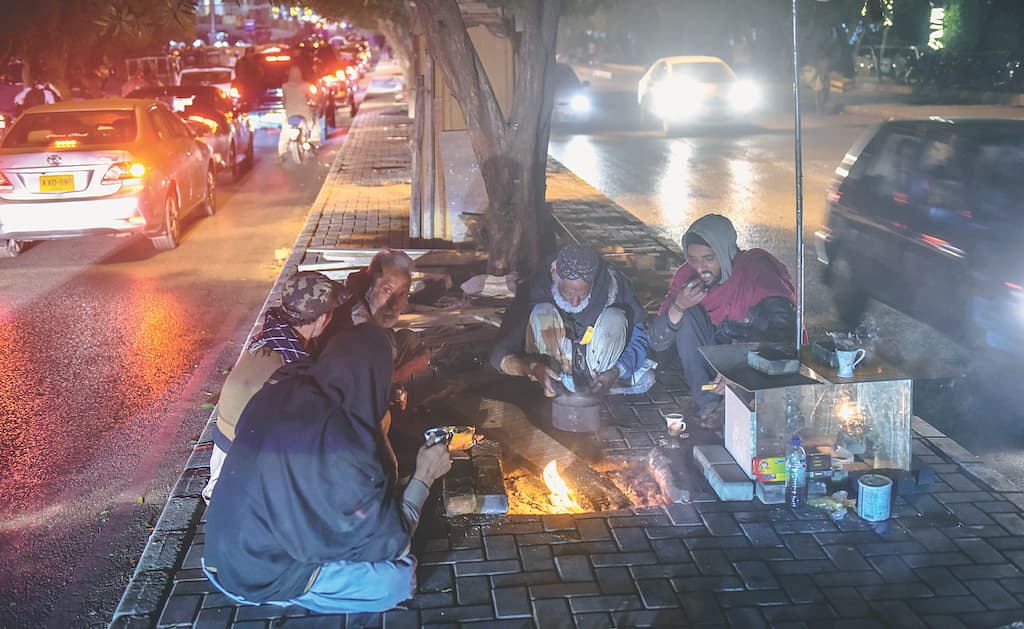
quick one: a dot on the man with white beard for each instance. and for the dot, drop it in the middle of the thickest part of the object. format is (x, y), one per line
(577, 320)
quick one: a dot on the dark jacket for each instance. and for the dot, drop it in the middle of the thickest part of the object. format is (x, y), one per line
(304, 482)
(610, 288)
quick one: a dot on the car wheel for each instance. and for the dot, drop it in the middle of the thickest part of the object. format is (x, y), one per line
(11, 248)
(236, 168)
(210, 198)
(250, 152)
(171, 235)
(851, 301)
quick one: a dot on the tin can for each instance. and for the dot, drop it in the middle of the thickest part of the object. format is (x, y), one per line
(874, 493)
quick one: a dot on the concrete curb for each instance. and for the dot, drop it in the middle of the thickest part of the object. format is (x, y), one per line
(150, 584)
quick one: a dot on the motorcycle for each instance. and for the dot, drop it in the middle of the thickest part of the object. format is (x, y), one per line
(298, 138)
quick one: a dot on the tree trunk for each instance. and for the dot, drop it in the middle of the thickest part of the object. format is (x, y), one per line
(512, 152)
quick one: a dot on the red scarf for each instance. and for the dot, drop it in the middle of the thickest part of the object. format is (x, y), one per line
(756, 275)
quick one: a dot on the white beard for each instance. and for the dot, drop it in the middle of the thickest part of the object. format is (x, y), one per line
(565, 306)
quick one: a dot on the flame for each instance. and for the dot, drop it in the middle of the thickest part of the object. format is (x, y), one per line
(561, 495)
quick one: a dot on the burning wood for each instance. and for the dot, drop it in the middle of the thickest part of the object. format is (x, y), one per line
(561, 495)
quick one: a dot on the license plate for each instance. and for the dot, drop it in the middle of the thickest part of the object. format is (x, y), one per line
(56, 183)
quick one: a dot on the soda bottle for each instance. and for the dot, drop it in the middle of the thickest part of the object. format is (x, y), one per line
(796, 474)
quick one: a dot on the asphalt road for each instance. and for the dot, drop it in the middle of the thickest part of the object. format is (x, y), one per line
(747, 173)
(109, 353)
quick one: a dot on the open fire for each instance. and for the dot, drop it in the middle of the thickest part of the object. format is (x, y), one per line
(561, 496)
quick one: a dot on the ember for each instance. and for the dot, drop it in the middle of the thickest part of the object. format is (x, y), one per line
(561, 495)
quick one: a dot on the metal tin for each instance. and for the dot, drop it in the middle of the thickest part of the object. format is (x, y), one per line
(874, 495)
(437, 435)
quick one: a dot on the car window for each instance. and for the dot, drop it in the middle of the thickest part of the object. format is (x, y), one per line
(205, 77)
(705, 72)
(658, 73)
(998, 184)
(83, 128)
(160, 124)
(175, 125)
(888, 165)
(942, 184)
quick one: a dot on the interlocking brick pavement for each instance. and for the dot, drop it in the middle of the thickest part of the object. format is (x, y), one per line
(952, 555)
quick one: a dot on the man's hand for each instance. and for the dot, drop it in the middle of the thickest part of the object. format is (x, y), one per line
(719, 383)
(546, 376)
(432, 462)
(690, 295)
(604, 381)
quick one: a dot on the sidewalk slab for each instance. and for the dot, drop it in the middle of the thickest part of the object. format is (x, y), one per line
(951, 555)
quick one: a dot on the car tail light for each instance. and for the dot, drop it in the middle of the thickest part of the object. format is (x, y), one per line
(212, 124)
(278, 58)
(312, 89)
(833, 195)
(5, 184)
(120, 171)
(234, 93)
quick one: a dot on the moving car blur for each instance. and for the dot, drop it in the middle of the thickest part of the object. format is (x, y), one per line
(101, 166)
(572, 97)
(221, 77)
(213, 117)
(922, 216)
(678, 91)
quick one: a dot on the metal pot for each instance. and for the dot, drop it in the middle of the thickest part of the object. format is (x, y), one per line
(576, 413)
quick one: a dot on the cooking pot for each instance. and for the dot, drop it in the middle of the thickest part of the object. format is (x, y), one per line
(575, 412)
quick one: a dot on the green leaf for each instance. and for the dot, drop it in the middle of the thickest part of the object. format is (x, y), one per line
(206, 405)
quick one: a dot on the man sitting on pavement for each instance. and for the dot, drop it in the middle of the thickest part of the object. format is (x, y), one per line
(578, 321)
(308, 302)
(307, 511)
(721, 295)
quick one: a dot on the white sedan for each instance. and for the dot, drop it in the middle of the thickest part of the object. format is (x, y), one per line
(684, 90)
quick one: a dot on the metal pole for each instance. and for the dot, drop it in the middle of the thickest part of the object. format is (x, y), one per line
(799, 190)
(213, 23)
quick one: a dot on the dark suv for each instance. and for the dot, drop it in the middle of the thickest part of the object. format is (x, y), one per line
(925, 215)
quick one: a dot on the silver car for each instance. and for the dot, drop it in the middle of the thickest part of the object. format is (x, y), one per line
(101, 166)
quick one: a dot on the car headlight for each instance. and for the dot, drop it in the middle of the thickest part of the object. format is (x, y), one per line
(677, 98)
(580, 104)
(744, 96)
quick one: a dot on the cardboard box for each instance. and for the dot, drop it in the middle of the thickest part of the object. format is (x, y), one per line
(769, 469)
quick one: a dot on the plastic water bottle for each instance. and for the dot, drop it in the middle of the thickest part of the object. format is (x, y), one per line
(796, 474)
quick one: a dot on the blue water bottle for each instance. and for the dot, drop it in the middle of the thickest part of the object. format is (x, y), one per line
(796, 474)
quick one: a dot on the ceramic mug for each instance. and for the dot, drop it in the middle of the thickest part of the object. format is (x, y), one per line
(848, 359)
(675, 424)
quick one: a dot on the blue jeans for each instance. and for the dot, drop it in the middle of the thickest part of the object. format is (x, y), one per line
(344, 587)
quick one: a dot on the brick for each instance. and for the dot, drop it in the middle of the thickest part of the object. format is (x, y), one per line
(941, 581)
(807, 566)
(457, 489)
(979, 551)
(756, 575)
(524, 578)
(814, 613)
(434, 578)
(623, 559)
(933, 540)
(670, 550)
(605, 603)
(664, 570)
(893, 569)
(803, 546)
(574, 568)
(500, 547)
(721, 543)
(846, 557)
(713, 563)
(748, 598)
(935, 559)
(946, 605)
(889, 548)
(554, 537)
(1012, 522)
(721, 524)
(757, 554)
(986, 571)
(640, 520)
(591, 529)
(214, 618)
(992, 595)
(452, 556)
(456, 614)
(801, 588)
(583, 548)
(500, 566)
(180, 609)
(558, 522)
(473, 590)
(805, 526)
(746, 617)
(898, 614)
(847, 601)
(683, 514)
(511, 602)
(843, 579)
(657, 593)
(760, 534)
(597, 620)
(536, 558)
(899, 591)
(402, 619)
(556, 590)
(631, 539)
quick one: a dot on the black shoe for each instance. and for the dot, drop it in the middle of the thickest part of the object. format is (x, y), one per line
(712, 416)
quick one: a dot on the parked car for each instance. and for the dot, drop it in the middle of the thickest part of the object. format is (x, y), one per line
(684, 90)
(923, 216)
(214, 118)
(572, 97)
(101, 166)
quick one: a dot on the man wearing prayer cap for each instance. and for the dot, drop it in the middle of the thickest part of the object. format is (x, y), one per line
(721, 295)
(577, 320)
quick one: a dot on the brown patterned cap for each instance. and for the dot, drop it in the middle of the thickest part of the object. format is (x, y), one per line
(309, 294)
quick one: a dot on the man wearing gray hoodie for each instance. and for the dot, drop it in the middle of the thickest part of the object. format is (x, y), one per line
(298, 97)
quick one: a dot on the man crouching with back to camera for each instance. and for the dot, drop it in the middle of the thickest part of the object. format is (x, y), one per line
(307, 510)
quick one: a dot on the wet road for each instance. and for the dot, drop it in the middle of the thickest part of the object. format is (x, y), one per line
(109, 353)
(747, 173)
